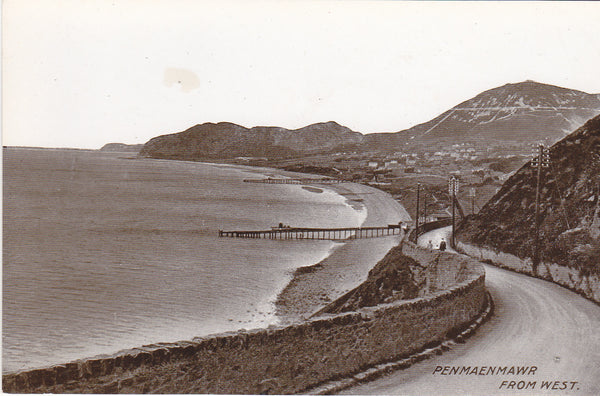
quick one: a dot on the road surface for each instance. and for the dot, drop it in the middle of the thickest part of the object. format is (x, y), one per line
(535, 324)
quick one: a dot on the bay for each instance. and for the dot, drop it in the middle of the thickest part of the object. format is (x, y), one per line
(102, 252)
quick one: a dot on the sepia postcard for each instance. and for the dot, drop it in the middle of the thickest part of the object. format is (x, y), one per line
(301, 197)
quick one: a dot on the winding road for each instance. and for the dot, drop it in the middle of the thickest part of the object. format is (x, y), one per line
(535, 324)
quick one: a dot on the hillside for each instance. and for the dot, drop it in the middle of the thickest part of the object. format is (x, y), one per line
(122, 147)
(391, 279)
(227, 140)
(570, 206)
(524, 112)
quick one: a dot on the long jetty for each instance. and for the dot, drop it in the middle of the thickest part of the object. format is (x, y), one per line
(334, 234)
(295, 181)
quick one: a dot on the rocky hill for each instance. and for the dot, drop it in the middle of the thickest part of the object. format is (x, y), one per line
(227, 140)
(122, 147)
(523, 112)
(570, 207)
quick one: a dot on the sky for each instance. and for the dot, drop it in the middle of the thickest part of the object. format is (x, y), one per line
(82, 73)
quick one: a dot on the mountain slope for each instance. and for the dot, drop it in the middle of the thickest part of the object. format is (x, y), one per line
(523, 112)
(227, 140)
(570, 206)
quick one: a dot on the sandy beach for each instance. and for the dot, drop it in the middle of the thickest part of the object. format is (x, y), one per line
(313, 287)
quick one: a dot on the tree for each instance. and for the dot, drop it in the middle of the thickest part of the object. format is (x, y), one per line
(480, 173)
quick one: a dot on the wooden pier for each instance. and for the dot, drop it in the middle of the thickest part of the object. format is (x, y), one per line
(332, 234)
(295, 181)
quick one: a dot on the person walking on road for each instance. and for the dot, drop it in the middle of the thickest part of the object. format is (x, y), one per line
(429, 245)
(443, 245)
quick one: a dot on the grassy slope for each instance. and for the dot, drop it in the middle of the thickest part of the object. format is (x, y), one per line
(390, 280)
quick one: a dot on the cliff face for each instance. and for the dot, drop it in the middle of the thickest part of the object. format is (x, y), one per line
(570, 206)
(227, 140)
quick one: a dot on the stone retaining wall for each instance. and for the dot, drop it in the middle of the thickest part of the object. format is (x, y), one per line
(426, 227)
(571, 278)
(439, 270)
(287, 359)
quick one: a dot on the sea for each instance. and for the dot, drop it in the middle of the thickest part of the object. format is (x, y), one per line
(104, 251)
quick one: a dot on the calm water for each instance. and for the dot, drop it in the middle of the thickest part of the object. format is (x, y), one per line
(102, 252)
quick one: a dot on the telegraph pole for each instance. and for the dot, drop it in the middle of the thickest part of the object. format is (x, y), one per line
(541, 158)
(453, 222)
(417, 216)
(472, 195)
(424, 207)
(453, 190)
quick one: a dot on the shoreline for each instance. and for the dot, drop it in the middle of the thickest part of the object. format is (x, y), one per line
(315, 286)
(364, 256)
(347, 265)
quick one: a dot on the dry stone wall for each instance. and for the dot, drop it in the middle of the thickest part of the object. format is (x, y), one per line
(280, 360)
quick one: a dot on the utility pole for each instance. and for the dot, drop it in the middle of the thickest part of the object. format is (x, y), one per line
(417, 216)
(453, 223)
(453, 190)
(424, 207)
(472, 195)
(541, 158)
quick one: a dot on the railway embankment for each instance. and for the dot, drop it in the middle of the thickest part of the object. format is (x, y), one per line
(286, 359)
